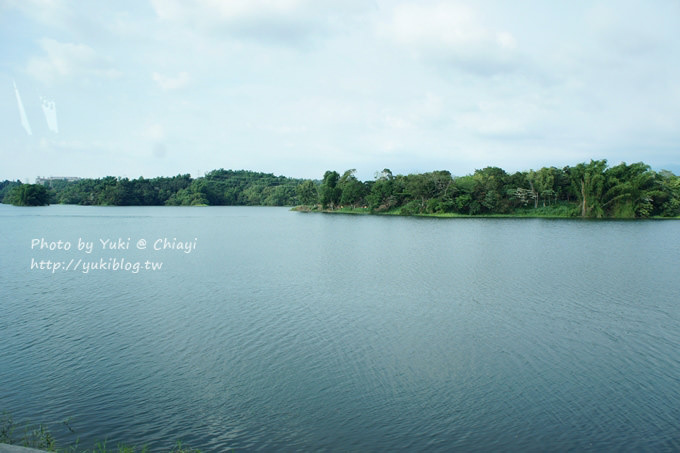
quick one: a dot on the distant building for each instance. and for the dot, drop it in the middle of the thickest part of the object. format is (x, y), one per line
(51, 179)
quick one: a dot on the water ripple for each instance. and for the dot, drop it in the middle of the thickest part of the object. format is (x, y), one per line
(294, 332)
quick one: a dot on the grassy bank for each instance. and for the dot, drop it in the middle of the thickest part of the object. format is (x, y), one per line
(40, 437)
(556, 211)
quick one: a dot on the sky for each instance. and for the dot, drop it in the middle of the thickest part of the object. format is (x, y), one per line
(297, 87)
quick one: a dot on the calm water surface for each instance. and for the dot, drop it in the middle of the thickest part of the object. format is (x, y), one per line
(292, 331)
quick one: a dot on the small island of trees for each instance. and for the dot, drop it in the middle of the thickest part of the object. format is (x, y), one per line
(588, 190)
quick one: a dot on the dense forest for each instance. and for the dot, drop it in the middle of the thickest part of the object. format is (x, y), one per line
(24, 194)
(592, 190)
(216, 188)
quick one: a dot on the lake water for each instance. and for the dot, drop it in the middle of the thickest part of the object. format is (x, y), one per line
(290, 331)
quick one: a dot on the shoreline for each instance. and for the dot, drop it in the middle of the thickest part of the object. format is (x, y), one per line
(453, 215)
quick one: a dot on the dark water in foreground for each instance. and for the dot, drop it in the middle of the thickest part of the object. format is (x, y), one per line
(291, 331)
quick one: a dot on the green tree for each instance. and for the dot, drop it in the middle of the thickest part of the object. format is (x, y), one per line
(5, 188)
(489, 190)
(381, 194)
(670, 185)
(545, 183)
(632, 190)
(464, 203)
(281, 195)
(190, 196)
(330, 192)
(588, 184)
(28, 195)
(307, 193)
(351, 189)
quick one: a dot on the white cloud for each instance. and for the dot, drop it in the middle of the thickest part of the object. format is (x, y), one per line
(404, 84)
(450, 33)
(506, 40)
(48, 12)
(497, 119)
(154, 132)
(68, 60)
(221, 10)
(442, 24)
(171, 83)
(260, 20)
(278, 22)
(393, 121)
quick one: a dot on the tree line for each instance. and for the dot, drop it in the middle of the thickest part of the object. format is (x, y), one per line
(216, 188)
(593, 190)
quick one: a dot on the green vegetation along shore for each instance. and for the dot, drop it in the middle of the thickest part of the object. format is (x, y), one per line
(40, 437)
(588, 190)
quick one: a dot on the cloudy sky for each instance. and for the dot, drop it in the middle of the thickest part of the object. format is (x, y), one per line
(296, 87)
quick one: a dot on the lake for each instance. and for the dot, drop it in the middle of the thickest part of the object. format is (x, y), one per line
(264, 329)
